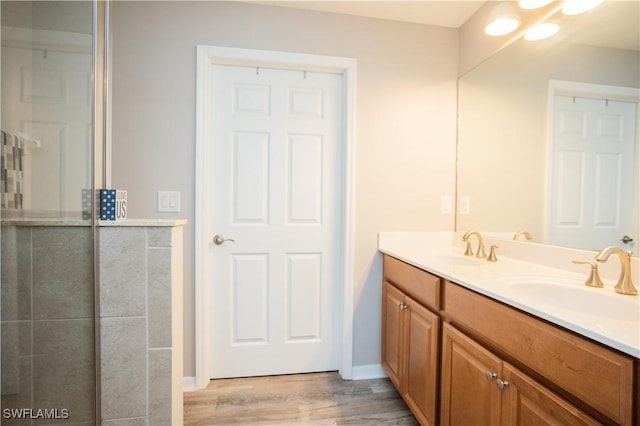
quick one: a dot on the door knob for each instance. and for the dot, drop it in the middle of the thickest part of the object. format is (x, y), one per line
(626, 239)
(219, 240)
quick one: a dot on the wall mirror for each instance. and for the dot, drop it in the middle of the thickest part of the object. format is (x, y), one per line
(548, 134)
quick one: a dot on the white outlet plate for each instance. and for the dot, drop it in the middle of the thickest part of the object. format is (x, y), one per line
(168, 201)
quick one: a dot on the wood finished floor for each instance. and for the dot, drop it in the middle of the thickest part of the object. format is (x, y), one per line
(298, 399)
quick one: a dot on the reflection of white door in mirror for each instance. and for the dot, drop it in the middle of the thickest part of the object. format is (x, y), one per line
(592, 183)
(46, 95)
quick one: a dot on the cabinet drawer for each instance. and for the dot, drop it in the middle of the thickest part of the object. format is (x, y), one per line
(601, 378)
(420, 285)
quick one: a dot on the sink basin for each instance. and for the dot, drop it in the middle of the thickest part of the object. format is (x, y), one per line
(570, 294)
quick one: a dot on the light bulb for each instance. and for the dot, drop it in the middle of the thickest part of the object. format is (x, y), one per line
(533, 4)
(575, 7)
(502, 20)
(541, 31)
(501, 26)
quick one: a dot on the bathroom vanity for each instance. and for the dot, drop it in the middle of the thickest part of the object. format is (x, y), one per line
(466, 341)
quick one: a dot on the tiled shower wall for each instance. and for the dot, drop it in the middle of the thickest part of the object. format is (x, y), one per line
(141, 325)
(47, 321)
(47, 324)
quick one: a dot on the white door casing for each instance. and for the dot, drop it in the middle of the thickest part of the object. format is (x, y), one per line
(593, 154)
(208, 57)
(275, 175)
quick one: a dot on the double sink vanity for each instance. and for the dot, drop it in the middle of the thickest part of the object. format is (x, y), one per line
(517, 339)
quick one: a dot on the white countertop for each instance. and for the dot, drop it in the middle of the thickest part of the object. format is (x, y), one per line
(36, 222)
(613, 321)
(144, 222)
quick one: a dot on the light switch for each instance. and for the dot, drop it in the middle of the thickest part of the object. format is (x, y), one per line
(465, 205)
(169, 201)
(445, 204)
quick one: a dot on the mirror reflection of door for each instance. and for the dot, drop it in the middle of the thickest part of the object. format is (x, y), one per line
(592, 180)
(46, 97)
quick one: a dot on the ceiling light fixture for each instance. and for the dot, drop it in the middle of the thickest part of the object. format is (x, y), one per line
(541, 31)
(576, 7)
(502, 20)
(533, 4)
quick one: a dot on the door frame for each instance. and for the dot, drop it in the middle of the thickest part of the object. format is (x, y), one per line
(594, 91)
(207, 57)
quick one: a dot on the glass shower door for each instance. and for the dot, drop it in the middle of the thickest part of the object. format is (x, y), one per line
(48, 367)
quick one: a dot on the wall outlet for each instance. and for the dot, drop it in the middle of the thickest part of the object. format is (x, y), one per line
(169, 201)
(465, 205)
(446, 204)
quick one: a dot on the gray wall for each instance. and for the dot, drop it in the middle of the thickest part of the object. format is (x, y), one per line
(406, 113)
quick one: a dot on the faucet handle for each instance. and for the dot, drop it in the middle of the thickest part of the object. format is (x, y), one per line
(492, 254)
(469, 250)
(593, 280)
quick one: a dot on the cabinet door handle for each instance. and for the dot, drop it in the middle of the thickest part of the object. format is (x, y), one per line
(402, 306)
(501, 384)
(490, 375)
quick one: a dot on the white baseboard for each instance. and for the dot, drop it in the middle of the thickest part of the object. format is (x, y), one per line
(371, 371)
(189, 384)
(360, 372)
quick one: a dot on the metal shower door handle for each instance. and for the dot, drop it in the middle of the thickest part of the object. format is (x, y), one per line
(219, 240)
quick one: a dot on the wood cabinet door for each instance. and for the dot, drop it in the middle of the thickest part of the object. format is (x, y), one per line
(526, 402)
(421, 334)
(392, 332)
(467, 396)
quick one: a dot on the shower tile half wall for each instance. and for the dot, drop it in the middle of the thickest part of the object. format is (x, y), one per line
(47, 320)
(141, 323)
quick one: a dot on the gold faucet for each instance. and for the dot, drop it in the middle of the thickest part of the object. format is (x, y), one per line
(524, 234)
(480, 253)
(624, 285)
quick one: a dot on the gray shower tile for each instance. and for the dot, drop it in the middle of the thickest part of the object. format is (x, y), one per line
(160, 387)
(25, 338)
(21, 398)
(62, 272)
(23, 236)
(63, 367)
(9, 274)
(134, 421)
(122, 271)
(62, 265)
(159, 296)
(159, 237)
(25, 283)
(63, 300)
(123, 368)
(59, 237)
(10, 358)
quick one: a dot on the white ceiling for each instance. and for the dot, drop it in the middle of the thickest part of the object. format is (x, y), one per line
(444, 13)
(614, 25)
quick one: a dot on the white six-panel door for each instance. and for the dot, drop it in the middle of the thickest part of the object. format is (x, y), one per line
(592, 175)
(276, 174)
